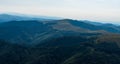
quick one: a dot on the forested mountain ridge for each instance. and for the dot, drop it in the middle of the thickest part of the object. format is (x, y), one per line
(63, 50)
(63, 41)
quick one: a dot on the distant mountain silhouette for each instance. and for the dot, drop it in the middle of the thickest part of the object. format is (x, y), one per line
(92, 22)
(20, 17)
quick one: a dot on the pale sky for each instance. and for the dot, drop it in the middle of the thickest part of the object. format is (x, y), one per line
(96, 10)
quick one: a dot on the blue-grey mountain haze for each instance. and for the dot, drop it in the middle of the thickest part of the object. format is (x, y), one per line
(96, 10)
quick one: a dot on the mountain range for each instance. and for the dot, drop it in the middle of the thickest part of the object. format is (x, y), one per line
(15, 16)
(33, 40)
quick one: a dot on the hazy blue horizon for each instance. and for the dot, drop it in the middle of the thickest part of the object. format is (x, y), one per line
(95, 10)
